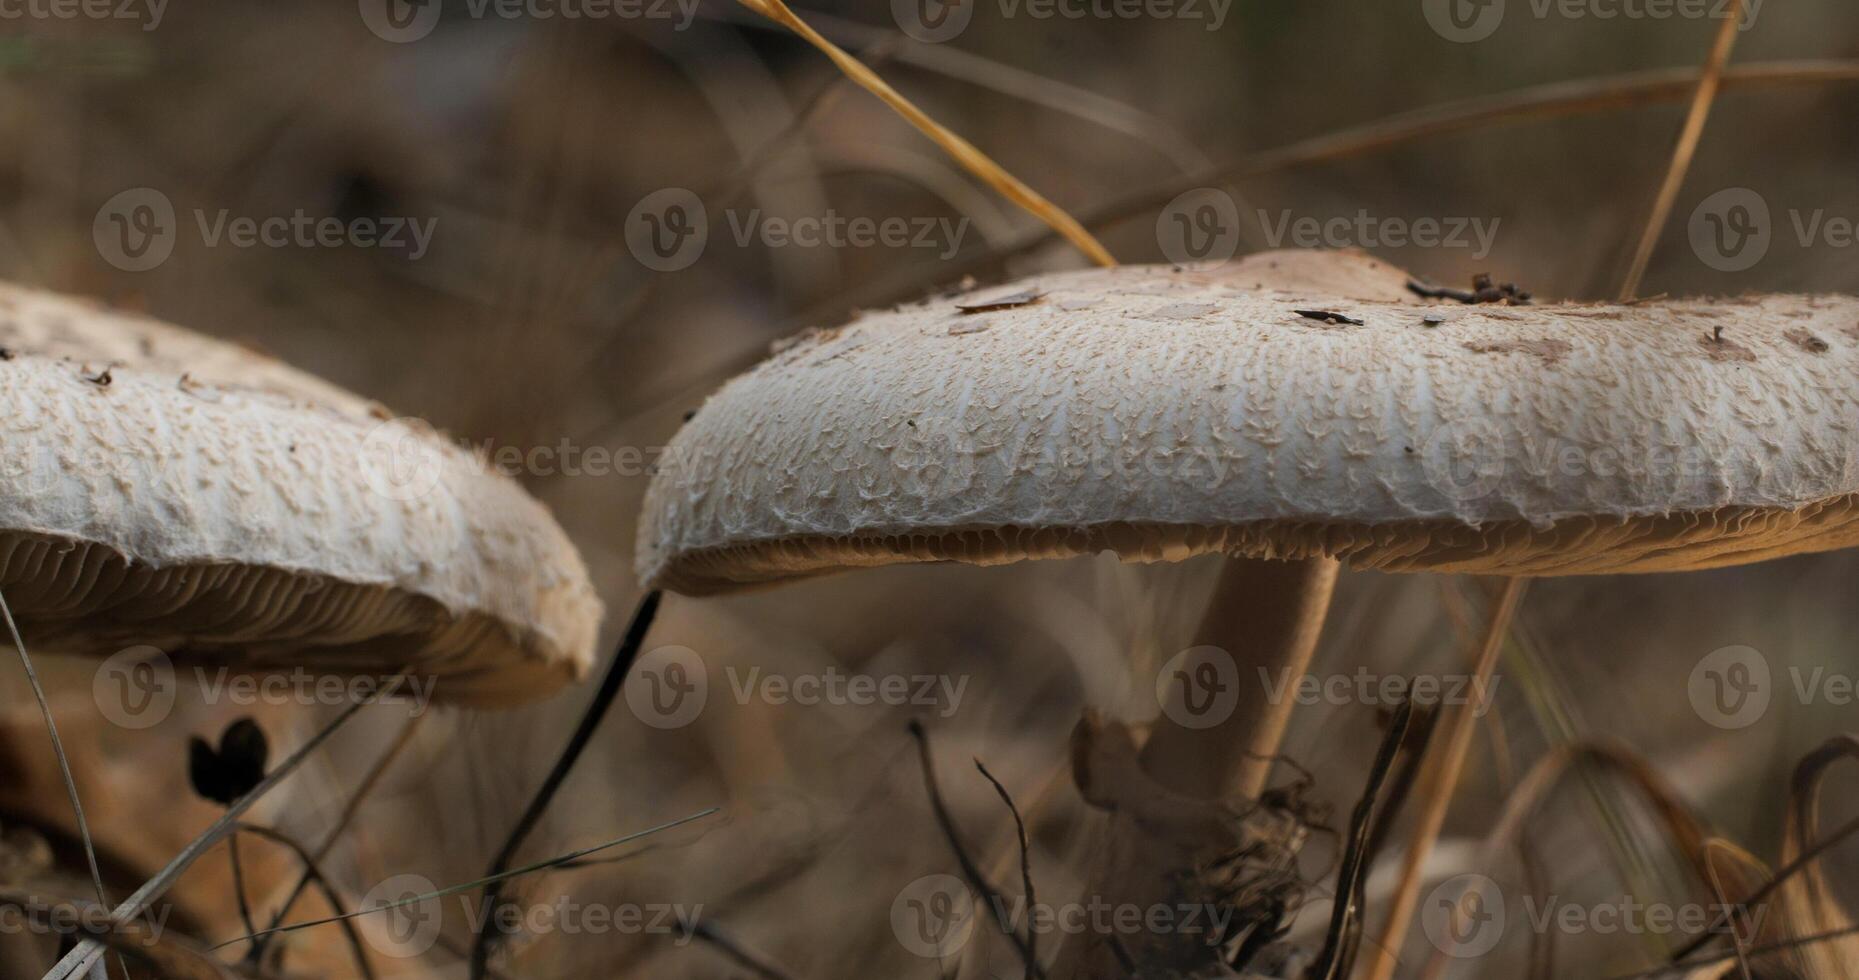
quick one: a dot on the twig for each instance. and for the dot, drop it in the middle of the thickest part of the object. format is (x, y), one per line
(315, 873)
(64, 763)
(1709, 81)
(1026, 866)
(1754, 951)
(73, 964)
(1331, 963)
(1459, 731)
(704, 930)
(970, 869)
(469, 885)
(610, 686)
(238, 882)
(349, 810)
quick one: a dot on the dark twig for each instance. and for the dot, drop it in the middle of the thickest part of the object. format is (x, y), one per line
(703, 929)
(571, 753)
(313, 873)
(970, 870)
(481, 882)
(1026, 865)
(238, 883)
(349, 809)
(1331, 964)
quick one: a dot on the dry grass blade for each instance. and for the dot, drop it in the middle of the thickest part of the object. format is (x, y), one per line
(80, 959)
(1812, 906)
(963, 151)
(1459, 731)
(172, 956)
(473, 885)
(58, 749)
(1689, 835)
(1709, 81)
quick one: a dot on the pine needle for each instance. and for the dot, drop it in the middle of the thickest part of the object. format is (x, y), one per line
(964, 152)
(64, 763)
(1709, 81)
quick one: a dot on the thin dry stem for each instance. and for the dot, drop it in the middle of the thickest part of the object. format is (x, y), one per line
(1446, 778)
(1709, 81)
(964, 152)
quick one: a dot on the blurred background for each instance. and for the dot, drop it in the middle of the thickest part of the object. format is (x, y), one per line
(523, 140)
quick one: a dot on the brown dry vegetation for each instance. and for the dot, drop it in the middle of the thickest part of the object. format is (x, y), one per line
(528, 324)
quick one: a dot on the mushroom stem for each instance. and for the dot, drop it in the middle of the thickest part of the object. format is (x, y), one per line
(1267, 616)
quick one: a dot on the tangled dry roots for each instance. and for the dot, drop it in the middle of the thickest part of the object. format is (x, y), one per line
(1179, 851)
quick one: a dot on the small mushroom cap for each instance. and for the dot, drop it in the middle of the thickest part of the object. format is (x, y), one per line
(162, 488)
(1163, 413)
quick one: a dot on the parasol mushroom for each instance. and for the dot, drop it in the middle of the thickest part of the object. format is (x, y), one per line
(162, 488)
(1292, 412)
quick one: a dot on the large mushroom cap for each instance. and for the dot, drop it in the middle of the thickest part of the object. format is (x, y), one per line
(1161, 413)
(162, 488)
